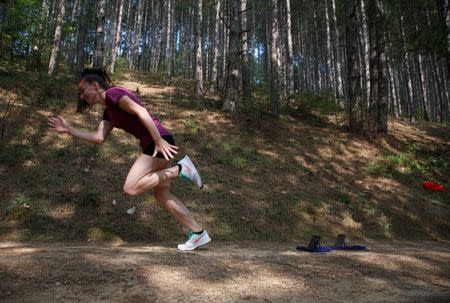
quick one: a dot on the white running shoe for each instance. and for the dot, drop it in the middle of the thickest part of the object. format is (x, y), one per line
(189, 172)
(195, 241)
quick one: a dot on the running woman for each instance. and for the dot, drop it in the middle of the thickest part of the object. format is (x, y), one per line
(152, 169)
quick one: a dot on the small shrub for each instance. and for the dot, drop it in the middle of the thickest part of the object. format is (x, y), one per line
(90, 198)
(305, 103)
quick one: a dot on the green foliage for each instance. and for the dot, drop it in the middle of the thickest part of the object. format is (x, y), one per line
(393, 165)
(305, 103)
(63, 154)
(19, 208)
(416, 161)
(237, 154)
(90, 198)
(192, 126)
(22, 28)
(14, 155)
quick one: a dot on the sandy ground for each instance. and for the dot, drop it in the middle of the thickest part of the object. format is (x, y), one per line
(223, 272)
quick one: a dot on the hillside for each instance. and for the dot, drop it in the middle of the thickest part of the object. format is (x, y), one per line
(275, 178)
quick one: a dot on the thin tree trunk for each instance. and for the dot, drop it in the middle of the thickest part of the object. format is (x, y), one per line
(274, 59)
(410, 93)
(246, 80)
(444, 17)
(169, 37)
(71, 40)
(225, 45)
(383, 99)
(100, 35)
(394, 92)
(339, 91)
(81, 37)
(366, 49)
(128, 47)
(198, 50)
(290, 50)
(134, 60)
(438, 87)
(57, 38)
(316, 53)
(117, 32)
(234, 77)
(354, 88)
(373, 95)
(424, 88)
(377, 114)
(330, 57)
(145, 48)
(215, 46)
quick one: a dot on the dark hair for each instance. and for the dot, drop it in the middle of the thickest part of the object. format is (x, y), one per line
(90, 75)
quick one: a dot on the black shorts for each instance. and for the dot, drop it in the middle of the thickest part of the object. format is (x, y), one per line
(150, 148)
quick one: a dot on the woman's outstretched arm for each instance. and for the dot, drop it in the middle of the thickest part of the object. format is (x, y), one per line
(60, 125)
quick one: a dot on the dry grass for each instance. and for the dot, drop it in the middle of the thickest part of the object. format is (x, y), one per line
(272, 179)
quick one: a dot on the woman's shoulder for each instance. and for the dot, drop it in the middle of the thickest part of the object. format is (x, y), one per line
(114, 94)
(117, 89)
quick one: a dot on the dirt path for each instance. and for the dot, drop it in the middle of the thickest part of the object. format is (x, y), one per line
(223, 272)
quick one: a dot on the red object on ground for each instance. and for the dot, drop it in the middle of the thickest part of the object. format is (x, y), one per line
(434, 186)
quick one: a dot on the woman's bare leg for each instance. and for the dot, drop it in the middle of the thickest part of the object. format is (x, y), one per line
(146, 173)
(149, 173)
(175, 207)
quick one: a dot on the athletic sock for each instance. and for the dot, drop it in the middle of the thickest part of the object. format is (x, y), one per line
(198, 232)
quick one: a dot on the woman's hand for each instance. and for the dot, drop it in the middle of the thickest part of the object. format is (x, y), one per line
(58, 124)
(165, 148)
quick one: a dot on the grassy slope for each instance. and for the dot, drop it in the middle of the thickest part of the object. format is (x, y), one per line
(279, 179)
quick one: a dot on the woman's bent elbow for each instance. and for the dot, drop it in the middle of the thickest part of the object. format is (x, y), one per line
(99, 141)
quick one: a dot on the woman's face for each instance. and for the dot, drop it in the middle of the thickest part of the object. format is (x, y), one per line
(89, 91)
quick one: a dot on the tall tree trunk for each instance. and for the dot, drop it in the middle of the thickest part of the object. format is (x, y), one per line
(99, 48)
(444, 17)
(117, 32)
(2, 14)
(134, 60)
(330, 55)
(234, 77)
(145, 33)
(318, 84)
(57, 38)
(365, 48)
(216, 43)
(154, 43)
(383, 100)
(129, 23)
(207, 53)
(290, 50)
(274, 59)
(198, 49)
(354, 88)
(377, 122)
(246, 81)
(169, 37)
(71, 40)
(410, 92)
(225, 44)
(439, 90)
(374, 71)
(81, 38)
(339, 90)
(423, 88)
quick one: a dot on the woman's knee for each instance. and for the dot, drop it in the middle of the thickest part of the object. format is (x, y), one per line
(130, 190)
